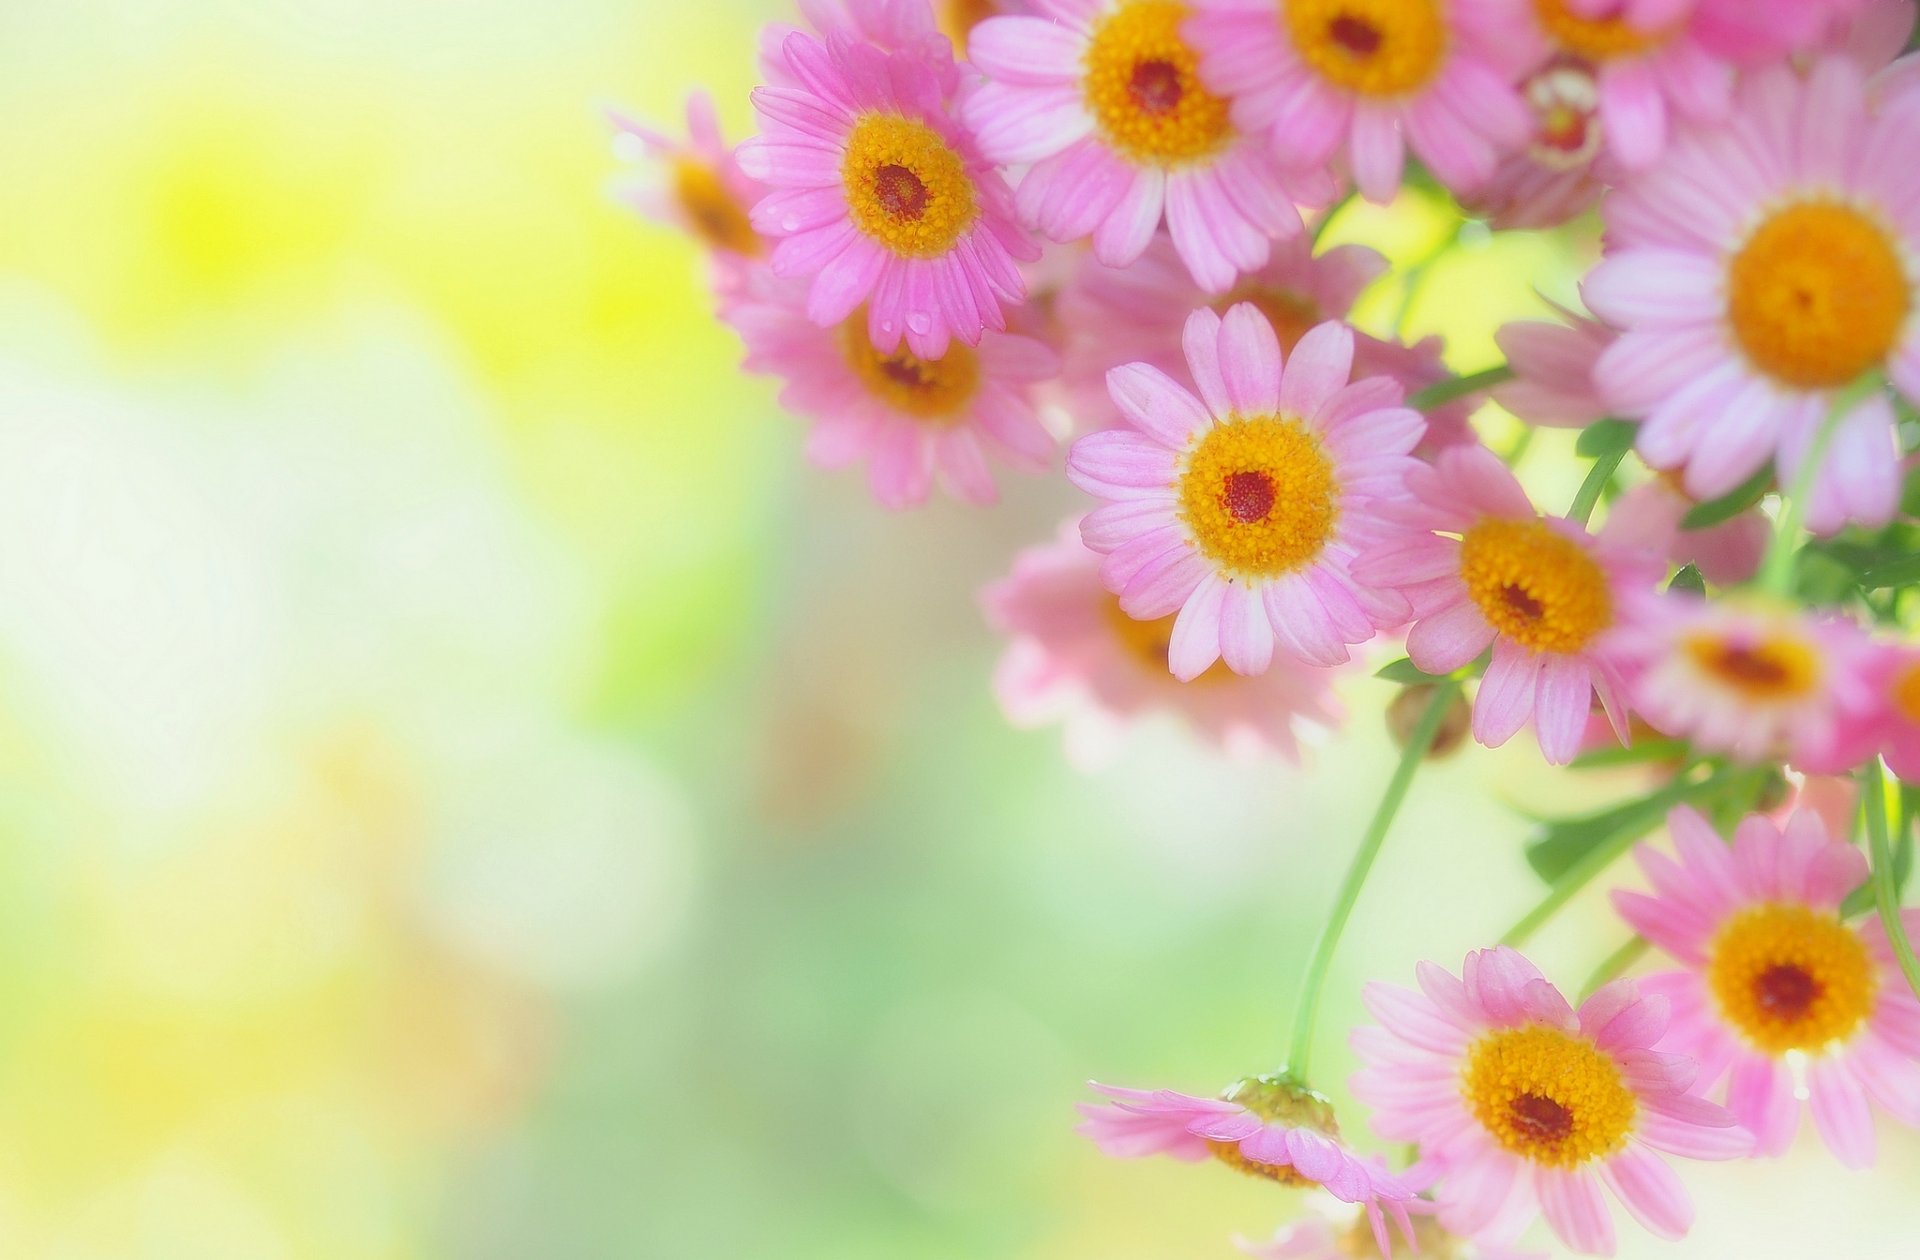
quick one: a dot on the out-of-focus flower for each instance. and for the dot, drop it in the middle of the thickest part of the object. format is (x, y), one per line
(1752, 679)
(1523, 1106)
(1103, 102)
(909, 26)
(1243, 512)
(696, 185)
(1075, 656)
(1482, 568)
(1776, 990)
(1136, 315)
(882, 200)
(1747, 312)
(1372, 79)
(1558, 175)
(1261, 1126)
(1755, 31)
(914, 420)
(1644, 73)
(1875, 35)
(1650, 517)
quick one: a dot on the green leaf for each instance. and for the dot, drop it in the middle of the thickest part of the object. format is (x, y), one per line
(1902, 572)
(1563, 842)
(1688, 580)
(1604, 437)
(1728, 506)
(1407, 674)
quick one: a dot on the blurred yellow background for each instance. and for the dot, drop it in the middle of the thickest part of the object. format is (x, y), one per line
(469, 791)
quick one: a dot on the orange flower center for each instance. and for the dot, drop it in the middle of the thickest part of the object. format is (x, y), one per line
(1549, 1097)
(936, 391)
(1598, 39)
(1790, 978)
(906, 187)
(1771, 670)
(1143, 86)
(1379, 48)
(715, 214)
(1818, 295)
(1535, 586)
(1259, 495)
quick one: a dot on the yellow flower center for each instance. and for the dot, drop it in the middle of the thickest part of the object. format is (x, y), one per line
(906, 187)
(1536, 587)
(1259, 495)
(715, 214)
(1906, 693)
(1597, 39)
(1790, 978)
(1143, 86)
(1548, 1096)
(1817, 295)
(1770, 670)
(934, 390)
(1373, 47)
(1150, 641)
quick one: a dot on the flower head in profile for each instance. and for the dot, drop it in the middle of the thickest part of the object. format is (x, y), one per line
(1264, 1127)
(1102, 101)
(1553, 363)
(1749, 314)
(1371, 79)
(1523, 1106)
(1776, 992)
(882, 200)
(695, 184)
(1755, 680)
(1074, 656)
(1241, 510)
(1483, 569)
(915, 421)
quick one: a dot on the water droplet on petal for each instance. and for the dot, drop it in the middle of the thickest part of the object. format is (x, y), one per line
(789, 223)
(920, 322)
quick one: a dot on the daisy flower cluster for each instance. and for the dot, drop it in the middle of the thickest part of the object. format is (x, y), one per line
(1093, 241)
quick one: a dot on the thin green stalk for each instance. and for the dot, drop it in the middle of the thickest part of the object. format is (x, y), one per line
(1885, 896)
(1459, 387)
(1601, 856)
(1776, 571)
(1307, 1009)
(1590, 490)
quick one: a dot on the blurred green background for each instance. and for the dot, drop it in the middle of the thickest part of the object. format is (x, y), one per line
(470, 792)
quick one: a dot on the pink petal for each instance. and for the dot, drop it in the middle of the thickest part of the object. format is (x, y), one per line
(1651, 1192)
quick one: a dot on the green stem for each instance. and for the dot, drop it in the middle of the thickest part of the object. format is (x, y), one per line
(1874, 800)
(1776, 571)
(1590, 490)
(1459, 387)
(1602, 855)
(1307, 1009)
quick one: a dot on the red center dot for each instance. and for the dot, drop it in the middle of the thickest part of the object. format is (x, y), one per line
(900, 192)
(1541, 1119)
(1785, 991)
(1155, 87)
(1356, 35)
(1248, 496)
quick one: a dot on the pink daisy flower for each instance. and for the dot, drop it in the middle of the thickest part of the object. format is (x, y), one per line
(1243, 512)
(1647, 67)
(1261, 1126)
(1876, 35)
(695, 185)
(1776, 992)
(1756, 277)
(1751, 679)
(1524, 1106)
(1372, 77)
(1484, 569)
(1102, 100)
(914, 420)
(1649, 518)
(1315, 1236)
(1075, 656)
(1563, 169)
(882, 200)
